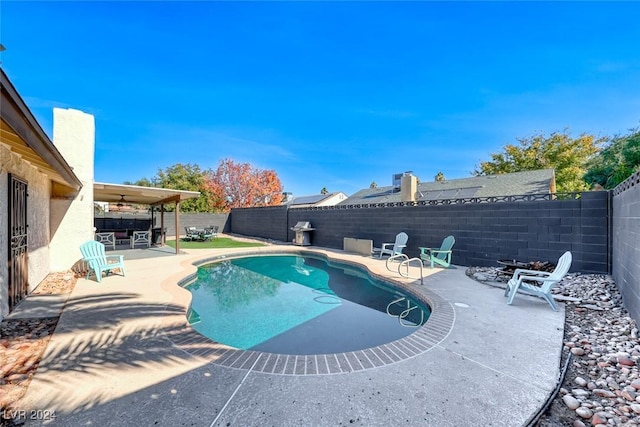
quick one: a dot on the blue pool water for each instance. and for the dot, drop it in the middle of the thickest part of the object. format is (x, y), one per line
(291, 304)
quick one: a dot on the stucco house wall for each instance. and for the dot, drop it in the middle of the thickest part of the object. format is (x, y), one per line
(59, 211)
(39, 190)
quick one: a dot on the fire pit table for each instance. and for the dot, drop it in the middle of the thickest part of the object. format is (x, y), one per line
(510, 265)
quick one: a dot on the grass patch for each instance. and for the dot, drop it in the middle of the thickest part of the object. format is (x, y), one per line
(219, 243)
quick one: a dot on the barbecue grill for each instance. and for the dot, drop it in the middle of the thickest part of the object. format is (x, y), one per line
(303, 233)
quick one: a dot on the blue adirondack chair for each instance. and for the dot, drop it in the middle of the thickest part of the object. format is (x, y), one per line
(94, 254)
(441, 256)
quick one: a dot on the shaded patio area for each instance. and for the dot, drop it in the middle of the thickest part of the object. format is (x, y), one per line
(151, 196)
(143, 253)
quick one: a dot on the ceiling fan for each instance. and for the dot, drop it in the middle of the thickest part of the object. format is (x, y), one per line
(121, 201)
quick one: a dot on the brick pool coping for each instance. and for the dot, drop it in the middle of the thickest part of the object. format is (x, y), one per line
(435, 329)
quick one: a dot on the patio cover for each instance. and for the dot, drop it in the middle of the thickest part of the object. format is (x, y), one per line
(103, 192)
(153, 196)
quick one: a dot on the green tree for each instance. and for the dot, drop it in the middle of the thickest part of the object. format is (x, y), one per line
(185, 177)
(568, 156)
(616, 162)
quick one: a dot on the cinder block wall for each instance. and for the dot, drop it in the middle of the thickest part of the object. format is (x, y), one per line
(626, 242)
(268, 222)
(198, 220)
(527, 231)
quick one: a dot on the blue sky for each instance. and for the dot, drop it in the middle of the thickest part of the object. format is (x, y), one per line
(327, 94)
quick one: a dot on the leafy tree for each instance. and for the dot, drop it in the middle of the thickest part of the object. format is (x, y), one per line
(184, 177)
(324, 191)
(240, 185)
(616, 162)
(566, 155)
(439, 177)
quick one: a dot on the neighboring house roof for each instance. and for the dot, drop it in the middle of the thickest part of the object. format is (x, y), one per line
(308, 200)
(21, 133)
(511, 184)
(317, 200)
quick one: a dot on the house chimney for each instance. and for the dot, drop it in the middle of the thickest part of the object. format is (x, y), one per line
(408, 187)
(71, 222)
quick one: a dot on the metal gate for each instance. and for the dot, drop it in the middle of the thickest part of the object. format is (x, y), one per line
(18, 254)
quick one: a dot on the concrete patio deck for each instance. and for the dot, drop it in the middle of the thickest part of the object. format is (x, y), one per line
(119, 356)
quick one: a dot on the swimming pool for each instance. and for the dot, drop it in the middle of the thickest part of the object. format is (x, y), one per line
(299, 305)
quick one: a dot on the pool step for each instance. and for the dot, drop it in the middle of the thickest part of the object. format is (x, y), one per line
(193, 317)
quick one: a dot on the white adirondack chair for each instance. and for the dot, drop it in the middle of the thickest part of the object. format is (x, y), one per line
(547, 281)
(395, 248)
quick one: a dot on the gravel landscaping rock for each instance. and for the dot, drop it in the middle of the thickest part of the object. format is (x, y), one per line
(22, 343)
